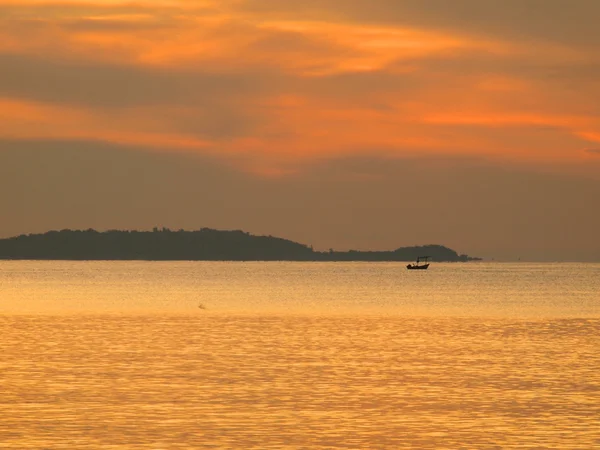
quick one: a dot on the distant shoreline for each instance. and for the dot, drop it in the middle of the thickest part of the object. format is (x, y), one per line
(202, 245)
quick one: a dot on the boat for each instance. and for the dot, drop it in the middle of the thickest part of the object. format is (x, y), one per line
(418, 265)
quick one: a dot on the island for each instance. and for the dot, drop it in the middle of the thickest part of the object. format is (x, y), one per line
(200, 245)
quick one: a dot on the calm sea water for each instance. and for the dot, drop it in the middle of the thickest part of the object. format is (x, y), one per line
(141, 355)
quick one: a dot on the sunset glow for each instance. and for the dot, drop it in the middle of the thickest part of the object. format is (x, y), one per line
(227, 79)
(255, 224)
(480, 118)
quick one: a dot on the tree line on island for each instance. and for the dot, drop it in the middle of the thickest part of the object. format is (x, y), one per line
(202, 245)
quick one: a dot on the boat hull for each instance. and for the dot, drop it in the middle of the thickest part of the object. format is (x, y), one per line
(415, 267)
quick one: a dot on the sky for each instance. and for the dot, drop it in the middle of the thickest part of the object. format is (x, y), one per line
(346, 124)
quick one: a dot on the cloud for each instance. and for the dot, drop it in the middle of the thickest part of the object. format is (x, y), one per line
(592, 151)
(273, 86)
(98, 84)
(569, 23)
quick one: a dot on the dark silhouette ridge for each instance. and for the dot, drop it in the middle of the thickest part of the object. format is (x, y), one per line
(203, 245)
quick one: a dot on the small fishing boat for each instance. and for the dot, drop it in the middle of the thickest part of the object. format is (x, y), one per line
(418, 265)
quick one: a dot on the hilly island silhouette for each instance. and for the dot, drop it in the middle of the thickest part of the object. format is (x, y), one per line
(201, 245)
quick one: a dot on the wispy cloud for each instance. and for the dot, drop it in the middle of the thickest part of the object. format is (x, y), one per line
(289, 83)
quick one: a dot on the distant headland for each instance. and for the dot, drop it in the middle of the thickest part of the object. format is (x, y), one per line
(202, 245)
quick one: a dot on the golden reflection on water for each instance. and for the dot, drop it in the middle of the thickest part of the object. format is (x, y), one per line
(297, 382)
(223, 379)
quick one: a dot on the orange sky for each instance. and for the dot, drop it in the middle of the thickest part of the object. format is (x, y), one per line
(274, 88)
(292, 84)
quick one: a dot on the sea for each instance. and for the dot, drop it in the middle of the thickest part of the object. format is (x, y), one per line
(294, 355)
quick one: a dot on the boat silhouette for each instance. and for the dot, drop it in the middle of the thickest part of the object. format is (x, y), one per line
(418, 265)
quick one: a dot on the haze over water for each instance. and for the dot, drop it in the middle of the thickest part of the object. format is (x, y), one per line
(144, 355)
